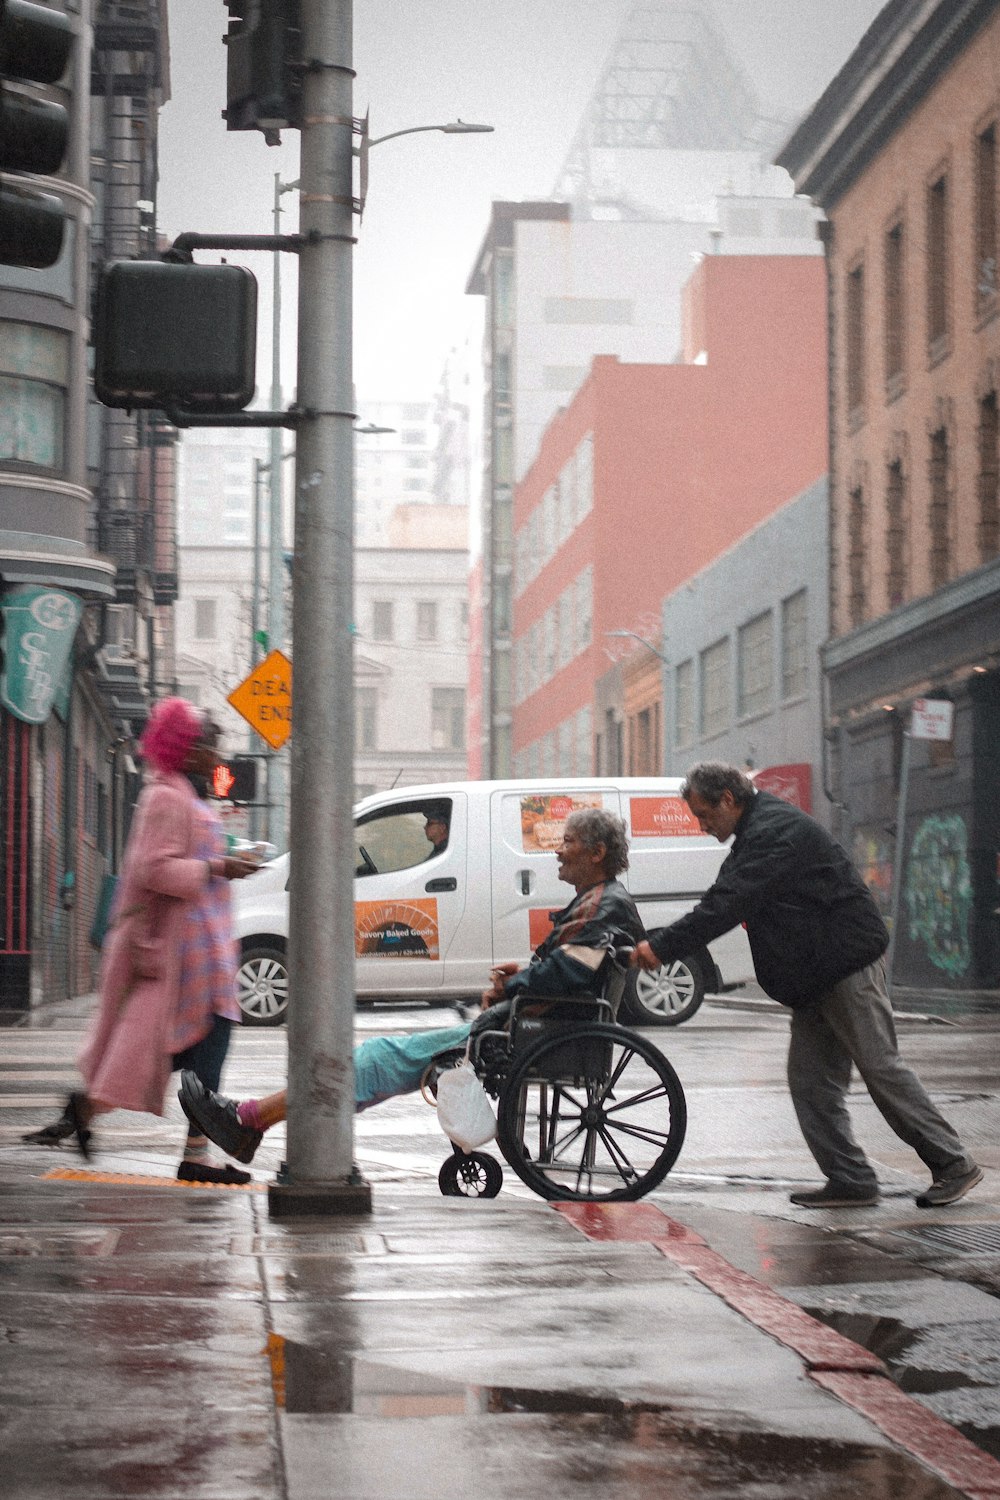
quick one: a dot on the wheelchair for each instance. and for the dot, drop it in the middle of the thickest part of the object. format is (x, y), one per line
(587, 1110)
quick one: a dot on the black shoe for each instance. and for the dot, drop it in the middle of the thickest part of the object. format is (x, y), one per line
(835, 1195)
(949, 1189)
(74, 1113)
(199, 1171)
(216, 1117)
(51, 1135)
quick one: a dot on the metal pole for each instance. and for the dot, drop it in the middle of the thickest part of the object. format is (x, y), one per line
(897, 858)
(319, 1176)
(277, 779)
(255, 617)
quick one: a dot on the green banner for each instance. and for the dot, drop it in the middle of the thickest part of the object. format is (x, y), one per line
(39, 628)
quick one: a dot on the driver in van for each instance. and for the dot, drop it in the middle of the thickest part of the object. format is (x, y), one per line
(437, 818)
(593, 853)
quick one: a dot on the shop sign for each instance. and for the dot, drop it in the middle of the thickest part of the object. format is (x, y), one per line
(39, 627)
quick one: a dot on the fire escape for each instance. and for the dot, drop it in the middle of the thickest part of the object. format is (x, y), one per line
(134, 483)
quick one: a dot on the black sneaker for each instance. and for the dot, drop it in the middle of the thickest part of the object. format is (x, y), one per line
(949, 1189)
(216, 1117)
(835, 1195)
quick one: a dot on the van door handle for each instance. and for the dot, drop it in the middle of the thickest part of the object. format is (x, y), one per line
(527, 881)
(443, 883)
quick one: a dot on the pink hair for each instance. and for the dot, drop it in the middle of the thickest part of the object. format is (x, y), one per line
(174, 726)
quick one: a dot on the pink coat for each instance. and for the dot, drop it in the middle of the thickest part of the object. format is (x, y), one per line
(126, 1059)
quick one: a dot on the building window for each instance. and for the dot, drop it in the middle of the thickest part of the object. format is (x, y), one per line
(448, 718)
(427, 620)
(939, 518)
(895, 310)
(584, 608)
(857, 558)
(715, 688)
(856, 341)
(937, 267)
(382, 620)
(794, 656)
(503, 289)
(550, 630)
(33, 379)
(365, 719)
(584, 458)
(591, 310)
(463, 620)
(684, 705)
(987, 283)
(756, 665)
(897, 536)
(988, 530)
(584, 733)
(566, 639)
(204, 619)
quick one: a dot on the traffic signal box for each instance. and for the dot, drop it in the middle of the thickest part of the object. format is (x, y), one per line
(263, 71)
(236, 779)
(35, 44)
(174, 334)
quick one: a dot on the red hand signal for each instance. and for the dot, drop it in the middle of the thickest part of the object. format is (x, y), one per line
(222, 780)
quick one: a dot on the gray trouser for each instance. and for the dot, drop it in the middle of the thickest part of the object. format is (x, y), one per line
(852, 1023)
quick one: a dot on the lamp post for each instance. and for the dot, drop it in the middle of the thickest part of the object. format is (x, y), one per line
(320, 1176)
(634, 636)
(277, 783)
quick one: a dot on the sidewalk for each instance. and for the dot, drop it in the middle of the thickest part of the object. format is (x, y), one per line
(174, 1342)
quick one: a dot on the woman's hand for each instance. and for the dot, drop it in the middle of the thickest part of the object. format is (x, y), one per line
(238, 869)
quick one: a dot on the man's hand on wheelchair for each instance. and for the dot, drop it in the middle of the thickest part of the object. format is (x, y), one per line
(643, 957)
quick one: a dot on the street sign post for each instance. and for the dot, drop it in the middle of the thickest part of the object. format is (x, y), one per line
(264, 698)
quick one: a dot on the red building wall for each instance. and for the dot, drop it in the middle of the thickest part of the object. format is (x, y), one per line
(687, 457)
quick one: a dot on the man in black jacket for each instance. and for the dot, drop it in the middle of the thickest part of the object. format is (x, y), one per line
(818, 944)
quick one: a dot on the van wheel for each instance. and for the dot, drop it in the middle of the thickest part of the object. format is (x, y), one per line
(665, 996)
(262, 984)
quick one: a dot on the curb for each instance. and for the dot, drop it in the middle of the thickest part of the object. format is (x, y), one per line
(853, 1374)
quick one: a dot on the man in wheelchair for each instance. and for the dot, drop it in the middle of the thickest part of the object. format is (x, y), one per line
(602, 915)
(568, 964)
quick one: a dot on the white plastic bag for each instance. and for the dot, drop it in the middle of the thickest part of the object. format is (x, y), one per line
(464, 1111)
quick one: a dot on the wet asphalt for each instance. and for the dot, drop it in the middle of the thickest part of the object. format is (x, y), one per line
(172, 1341)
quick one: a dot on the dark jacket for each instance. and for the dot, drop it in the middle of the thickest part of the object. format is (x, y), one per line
(594, 918)
(810, 918)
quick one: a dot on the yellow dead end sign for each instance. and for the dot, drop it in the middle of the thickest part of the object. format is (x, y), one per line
(265, 699)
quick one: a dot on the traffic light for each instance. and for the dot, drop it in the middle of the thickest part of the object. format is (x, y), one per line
(174, 334)
(263, 67)
(244, 784)
(35, 44)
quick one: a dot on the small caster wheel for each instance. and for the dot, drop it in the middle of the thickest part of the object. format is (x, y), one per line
(470, 1174)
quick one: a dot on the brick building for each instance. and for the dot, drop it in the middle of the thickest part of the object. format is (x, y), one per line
(902, 153)
(650, 473)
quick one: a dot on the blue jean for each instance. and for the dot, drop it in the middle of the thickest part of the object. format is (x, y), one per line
(206, 1057)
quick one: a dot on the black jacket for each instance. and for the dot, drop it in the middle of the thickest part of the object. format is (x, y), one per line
(810, 918)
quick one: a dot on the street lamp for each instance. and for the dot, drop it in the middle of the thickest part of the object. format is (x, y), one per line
(453, 127)
(634, 636)
(320, 1176)
(631, 634)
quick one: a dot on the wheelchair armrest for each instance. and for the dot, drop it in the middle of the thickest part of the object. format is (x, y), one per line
(597, 1003)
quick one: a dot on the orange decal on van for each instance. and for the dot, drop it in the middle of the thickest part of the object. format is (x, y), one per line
(543, 818)
(396, 929)
(661, 818)
(540, 925)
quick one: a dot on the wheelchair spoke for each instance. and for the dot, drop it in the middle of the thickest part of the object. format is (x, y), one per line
(618, 1158)
(656, 1092)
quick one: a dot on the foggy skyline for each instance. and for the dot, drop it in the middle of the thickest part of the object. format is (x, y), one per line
(527, 67)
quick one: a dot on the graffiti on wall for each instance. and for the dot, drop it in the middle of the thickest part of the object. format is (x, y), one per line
(938, 892)
(873, 857)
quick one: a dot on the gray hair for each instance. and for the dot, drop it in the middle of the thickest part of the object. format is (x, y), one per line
(595, 825)
(709, 779)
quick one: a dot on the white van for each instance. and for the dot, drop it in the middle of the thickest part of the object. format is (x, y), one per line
(431, 921)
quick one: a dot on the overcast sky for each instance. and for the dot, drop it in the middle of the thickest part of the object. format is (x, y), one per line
(527, 67)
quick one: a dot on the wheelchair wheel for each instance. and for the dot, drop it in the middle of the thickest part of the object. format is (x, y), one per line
(470, 1175)
(593, 1114)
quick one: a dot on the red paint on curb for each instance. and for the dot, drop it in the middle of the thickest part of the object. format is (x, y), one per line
(853, 1374)
(917, 1429)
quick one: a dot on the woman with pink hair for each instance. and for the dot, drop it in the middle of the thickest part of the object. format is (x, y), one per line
(168, 972)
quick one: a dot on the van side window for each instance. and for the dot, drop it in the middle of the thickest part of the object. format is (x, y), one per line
(394, 839)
